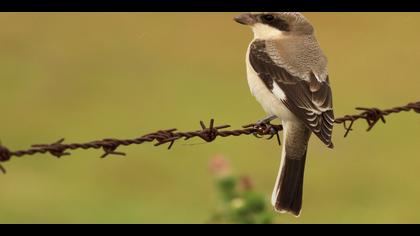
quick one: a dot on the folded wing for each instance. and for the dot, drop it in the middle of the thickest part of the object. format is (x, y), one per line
(308, 99)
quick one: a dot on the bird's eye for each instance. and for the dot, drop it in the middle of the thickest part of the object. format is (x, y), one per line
(268, 17)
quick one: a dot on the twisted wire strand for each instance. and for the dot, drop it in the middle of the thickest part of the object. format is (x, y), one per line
(109, 146)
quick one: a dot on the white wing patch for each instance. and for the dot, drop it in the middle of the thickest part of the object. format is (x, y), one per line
(278, 92)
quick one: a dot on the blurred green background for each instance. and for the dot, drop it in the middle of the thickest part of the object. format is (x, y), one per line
(86, 76)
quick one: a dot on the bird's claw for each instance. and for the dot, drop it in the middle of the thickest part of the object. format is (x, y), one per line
(272, 132)
(266, 129)
(265, 121)
(263, 128)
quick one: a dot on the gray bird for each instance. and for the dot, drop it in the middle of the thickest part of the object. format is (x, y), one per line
(287, 73)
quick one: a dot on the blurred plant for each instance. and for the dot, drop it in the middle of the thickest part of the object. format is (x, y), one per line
(239, 202)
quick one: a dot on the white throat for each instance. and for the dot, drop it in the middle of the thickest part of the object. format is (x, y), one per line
(266, 32)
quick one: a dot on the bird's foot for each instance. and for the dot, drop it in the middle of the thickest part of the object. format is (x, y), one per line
(266, 120)
(266, 127)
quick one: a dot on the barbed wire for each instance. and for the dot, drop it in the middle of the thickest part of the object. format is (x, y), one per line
(207, 133)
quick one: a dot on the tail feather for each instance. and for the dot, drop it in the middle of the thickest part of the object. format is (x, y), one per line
(288, 191)
(290, 186)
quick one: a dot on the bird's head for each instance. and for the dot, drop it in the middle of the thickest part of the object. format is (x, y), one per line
(273, 25)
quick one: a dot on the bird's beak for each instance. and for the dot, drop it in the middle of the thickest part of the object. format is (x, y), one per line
(245, 19)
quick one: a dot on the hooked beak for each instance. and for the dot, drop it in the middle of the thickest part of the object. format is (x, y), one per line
(245, 19)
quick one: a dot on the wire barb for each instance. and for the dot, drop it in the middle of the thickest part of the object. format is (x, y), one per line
(207, 133)
(5, 155)
(55, 149)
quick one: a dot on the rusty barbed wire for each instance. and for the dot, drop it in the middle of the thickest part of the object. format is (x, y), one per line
(208, 134)
(373, 115)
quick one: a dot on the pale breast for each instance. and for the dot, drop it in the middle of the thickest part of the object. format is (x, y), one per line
(269, 100)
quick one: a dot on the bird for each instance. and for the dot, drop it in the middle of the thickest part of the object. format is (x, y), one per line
(287, 74)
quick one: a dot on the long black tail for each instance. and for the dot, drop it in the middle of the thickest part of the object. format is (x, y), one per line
(287, 195)
(290, 186)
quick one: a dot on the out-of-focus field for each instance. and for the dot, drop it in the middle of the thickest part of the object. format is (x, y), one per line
(86, 76)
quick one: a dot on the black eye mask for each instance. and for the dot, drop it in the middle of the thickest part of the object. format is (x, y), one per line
(275, 22)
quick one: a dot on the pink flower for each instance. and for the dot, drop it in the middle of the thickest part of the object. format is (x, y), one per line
(220, 166)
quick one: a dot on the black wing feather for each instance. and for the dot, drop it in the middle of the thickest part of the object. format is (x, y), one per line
(310, 101)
